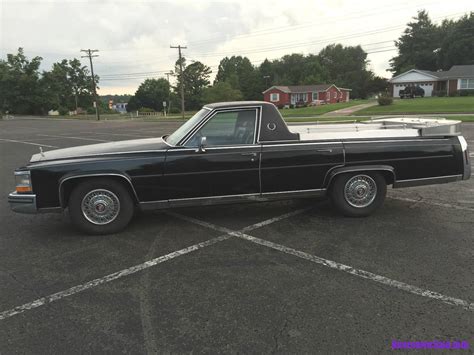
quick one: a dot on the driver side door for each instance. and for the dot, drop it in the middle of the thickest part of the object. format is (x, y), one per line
(225, 170)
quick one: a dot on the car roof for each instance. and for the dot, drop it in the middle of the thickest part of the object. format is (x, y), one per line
(237, 104)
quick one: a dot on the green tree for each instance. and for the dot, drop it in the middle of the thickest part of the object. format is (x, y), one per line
(67, 86)
(457, 42)
(347, 67)
(195, 79)
(221, 92)
(241, 75)
(20, 90)
(150, 94)
(417, 46)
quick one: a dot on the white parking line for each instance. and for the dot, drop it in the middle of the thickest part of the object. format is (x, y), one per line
(114, 276)
(338, 266)
(433, 203)
(362, 273)
(68, 137)
(30, 143)
(147, 264)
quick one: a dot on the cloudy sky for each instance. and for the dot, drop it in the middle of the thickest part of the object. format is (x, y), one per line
(134, 36)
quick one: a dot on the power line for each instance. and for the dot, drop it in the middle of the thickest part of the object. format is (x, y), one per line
(181, 81)
(90, 56)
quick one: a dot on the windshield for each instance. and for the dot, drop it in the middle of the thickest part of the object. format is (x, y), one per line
(179, 134)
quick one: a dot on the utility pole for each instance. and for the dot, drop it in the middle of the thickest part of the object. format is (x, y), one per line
(266, 77)
(179, 47)
(169, 93)
(90, 55)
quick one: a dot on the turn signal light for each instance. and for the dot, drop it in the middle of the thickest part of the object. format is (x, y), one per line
(23, 182)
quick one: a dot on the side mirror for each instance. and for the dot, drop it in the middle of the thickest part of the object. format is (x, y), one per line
(202, 145)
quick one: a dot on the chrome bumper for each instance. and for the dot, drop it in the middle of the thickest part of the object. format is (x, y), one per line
(22, 203)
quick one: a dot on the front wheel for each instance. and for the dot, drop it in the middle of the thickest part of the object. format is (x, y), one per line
(100, 206)
(358, 194)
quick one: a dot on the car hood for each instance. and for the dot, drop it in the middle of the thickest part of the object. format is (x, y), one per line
(94, 150)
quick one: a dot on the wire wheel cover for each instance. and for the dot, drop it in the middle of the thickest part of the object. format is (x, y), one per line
(100, 206)
(360, 191)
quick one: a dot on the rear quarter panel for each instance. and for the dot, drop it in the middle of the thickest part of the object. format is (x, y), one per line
(413, 158)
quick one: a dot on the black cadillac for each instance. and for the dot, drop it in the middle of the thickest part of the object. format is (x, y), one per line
(241, 152)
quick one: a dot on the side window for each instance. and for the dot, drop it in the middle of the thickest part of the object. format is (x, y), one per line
(227, 128)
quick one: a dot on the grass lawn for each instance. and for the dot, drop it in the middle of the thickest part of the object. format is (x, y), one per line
(319, 110)
(423, 105)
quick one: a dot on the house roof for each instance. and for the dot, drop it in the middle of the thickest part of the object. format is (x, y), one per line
(455, 72)
(304, 88)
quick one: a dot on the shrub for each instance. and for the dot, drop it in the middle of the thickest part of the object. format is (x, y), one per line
(454, 93)
(441, 93)
(466, 92)
(175, 110)
(63, 111)
(385, 100)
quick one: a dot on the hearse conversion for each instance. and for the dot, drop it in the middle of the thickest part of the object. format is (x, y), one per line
(241, 152)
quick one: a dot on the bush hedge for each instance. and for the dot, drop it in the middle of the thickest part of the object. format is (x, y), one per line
(385, 100)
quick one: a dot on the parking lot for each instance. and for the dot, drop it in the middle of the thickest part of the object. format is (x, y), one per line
(289, 276)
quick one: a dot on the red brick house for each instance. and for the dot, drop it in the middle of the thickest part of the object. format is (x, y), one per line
(458, 78)
(305, 94)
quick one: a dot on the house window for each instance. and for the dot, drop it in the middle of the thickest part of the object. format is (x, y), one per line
(467, 84)
(301, 97)
(315, 96)
(275, 97)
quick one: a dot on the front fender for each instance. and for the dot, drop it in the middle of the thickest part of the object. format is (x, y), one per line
(66, 181)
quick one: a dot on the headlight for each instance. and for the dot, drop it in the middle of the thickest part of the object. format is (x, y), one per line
(23, 182)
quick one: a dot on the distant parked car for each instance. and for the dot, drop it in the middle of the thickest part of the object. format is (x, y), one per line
(411, 92)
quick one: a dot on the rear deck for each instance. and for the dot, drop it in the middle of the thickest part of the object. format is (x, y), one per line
(381, 128)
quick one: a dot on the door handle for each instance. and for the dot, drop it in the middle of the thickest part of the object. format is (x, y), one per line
(249, 154)
(324, 150)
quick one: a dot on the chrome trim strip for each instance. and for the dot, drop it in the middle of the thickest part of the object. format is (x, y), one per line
(101, 154)
(21, 172)
(222, 199)
(211, 197)
(298, 144)
(294, 193)
(216, 148)
(463, 143)
(127, 178)
(427, 181)
(164, 141)
(465, 158)
(350, 169)
(397, 140)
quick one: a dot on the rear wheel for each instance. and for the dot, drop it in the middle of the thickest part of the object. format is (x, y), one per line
(100, 206)
(358, 194)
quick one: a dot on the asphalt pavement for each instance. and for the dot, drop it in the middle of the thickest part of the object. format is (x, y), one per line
(280, 277)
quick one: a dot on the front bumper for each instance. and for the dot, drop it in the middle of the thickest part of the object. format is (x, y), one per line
(22, 203)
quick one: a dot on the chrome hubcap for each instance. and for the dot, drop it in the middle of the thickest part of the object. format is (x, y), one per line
(100, 206)
(360, 191)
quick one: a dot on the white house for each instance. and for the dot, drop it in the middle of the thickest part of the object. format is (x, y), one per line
(459, 77)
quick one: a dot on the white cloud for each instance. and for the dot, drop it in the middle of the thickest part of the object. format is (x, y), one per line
(134, 36)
